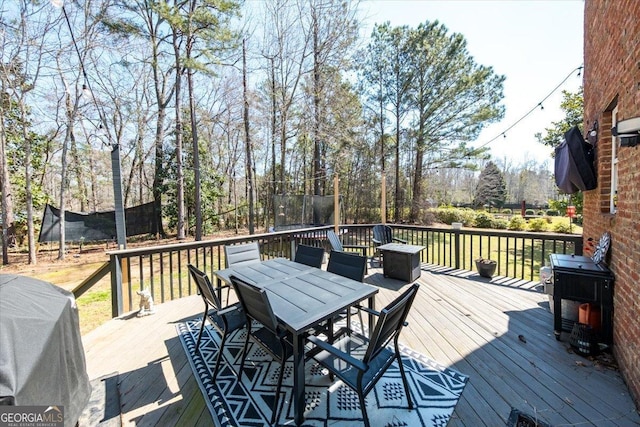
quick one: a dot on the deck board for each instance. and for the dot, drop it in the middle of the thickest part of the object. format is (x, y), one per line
(458, 319)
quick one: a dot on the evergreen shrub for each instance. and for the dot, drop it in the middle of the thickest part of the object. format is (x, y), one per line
(500, 224)
(537, 224)
(447, 215)
(561, 227)
(484, 220)
(517, 223)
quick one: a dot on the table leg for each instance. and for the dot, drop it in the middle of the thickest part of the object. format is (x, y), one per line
(298, 379)
(372, 306)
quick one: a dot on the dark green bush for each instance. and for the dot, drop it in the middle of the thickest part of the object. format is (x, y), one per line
(529, 212)
(517, 223)
(448, 215)
(561, 227)
(537, 224)
(500, 224)
(484, 220)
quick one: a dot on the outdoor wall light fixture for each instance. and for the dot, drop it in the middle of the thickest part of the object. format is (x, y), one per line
(592, 135)
(628, 131)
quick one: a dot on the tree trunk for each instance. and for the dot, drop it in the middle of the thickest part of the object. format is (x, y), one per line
(317, 162)
(247, 134)
(7, 205)
(273, 143)
(27, 183)
(158, 176)
(179, 167)
(417, 183)
(196, 157)
(77, 170)
(398, 199)
(194, 130)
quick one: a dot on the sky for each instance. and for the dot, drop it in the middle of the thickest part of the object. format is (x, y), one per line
(535, 44)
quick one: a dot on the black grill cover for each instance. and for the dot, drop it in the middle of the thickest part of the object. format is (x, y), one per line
(574, 163)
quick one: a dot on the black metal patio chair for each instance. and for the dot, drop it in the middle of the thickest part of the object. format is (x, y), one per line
(246, 253)
(309, 255)
(337, 245)
(359, 361)
(347, 265)
(270, 336)
(383, 234)
(225, 319)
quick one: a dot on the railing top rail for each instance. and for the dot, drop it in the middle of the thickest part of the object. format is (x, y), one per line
(239, 239)
(205, 243)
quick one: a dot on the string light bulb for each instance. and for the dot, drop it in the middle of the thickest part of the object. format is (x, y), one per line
(86, 93)
(504, 133)
(57, 3)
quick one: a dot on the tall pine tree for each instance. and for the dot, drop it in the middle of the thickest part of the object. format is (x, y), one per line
(492, 188)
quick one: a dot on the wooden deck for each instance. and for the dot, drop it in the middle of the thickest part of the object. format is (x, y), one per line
(458, 319)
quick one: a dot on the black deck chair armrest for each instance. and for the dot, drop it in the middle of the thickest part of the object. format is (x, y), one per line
(221, 287)
(396, 239)
(361, 248)
(229, 309)
(358, 364)
(367, 309)
(376, 241)
(374, 312)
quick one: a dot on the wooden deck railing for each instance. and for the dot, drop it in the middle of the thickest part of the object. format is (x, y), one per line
(163, 269)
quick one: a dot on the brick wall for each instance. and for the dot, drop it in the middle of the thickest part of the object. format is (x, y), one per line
(612, 79)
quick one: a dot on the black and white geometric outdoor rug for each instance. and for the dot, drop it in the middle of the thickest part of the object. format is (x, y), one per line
(435, 389)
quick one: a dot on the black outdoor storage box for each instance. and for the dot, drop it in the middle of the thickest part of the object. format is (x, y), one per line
(401, 261)
(579, 278)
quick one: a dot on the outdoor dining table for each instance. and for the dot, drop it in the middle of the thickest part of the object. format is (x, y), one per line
(302, 298)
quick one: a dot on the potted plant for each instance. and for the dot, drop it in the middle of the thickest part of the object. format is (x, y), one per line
(486, 267)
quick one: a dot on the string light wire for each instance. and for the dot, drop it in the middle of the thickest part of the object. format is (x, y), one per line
(528, 113)
(87, 83)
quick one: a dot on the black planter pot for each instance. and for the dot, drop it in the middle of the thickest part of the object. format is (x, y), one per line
(486, 267)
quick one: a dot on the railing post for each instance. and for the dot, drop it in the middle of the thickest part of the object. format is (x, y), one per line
(579, 242)
(116, 286)
(456, 248)
(294, 245)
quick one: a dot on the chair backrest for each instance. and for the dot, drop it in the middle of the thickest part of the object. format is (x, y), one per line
(309, 255)
(255, 304)
(347, 265)
(247, 253)
(390, 322)
(382, 233)
(204, 286)
(334, 241)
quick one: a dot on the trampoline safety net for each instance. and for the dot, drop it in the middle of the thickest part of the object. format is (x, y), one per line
(302, 211)
(96, 226)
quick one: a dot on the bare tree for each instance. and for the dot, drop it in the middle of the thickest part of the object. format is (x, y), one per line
(23, 54)
(333, 29)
